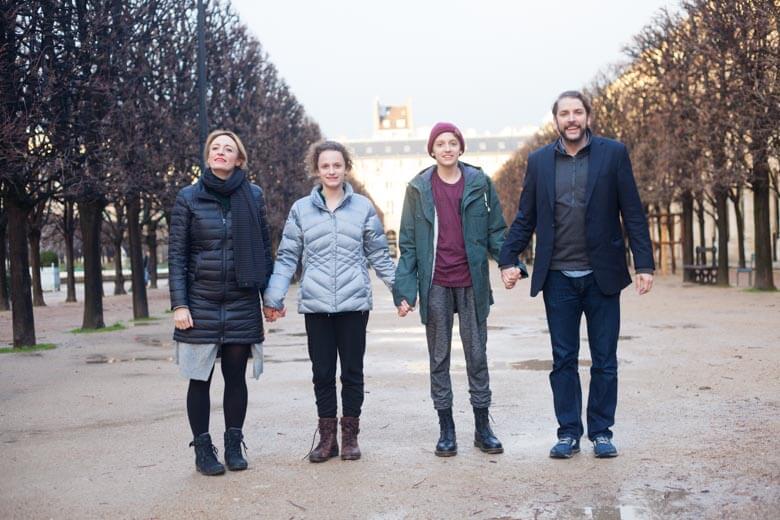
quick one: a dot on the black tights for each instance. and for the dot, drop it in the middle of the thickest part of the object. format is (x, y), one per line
(234, 358)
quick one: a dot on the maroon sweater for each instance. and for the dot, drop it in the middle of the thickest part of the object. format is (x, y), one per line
(452, 264)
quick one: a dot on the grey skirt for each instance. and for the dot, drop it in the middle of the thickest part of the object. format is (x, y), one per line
(196, 361)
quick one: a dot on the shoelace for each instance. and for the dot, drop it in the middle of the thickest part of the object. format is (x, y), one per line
(313, 438)
(601, 440)
(569, 441)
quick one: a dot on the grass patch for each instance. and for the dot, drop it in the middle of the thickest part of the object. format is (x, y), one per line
(28, 348)
(145, 320)
(116, 326)
(761, 291)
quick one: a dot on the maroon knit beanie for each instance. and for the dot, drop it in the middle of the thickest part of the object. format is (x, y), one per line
(440, 128)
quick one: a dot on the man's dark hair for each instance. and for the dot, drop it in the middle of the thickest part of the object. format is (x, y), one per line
(576, 94)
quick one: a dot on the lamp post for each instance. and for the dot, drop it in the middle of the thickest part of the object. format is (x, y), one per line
(203, 123)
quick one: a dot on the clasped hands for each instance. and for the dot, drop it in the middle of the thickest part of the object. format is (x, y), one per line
(510, 276)
(271, 314)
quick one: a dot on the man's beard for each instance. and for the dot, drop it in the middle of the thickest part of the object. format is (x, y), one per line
(583, 133)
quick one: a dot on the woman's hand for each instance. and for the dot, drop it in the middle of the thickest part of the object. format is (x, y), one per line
(182, 318)
(271, 314)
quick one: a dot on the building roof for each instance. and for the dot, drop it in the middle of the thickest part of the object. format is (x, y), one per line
(416, 147)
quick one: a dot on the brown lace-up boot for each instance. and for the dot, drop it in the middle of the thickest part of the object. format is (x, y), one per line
(350, 427)
(328, 446)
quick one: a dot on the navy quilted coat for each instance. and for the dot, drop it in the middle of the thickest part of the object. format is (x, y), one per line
(202, 274)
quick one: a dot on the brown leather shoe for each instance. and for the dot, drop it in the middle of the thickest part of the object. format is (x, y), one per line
(350, 427)
(328, 446)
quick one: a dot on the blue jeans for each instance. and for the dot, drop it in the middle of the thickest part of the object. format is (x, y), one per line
(565, 301)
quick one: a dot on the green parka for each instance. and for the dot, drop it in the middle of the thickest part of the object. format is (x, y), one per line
(483, 232)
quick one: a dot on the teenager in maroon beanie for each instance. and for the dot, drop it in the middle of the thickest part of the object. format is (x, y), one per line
(451, 221)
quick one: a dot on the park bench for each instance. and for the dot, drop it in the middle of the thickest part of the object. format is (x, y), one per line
(701, 272)
(747, 269)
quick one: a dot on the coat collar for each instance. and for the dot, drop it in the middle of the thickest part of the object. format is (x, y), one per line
(316, 196)
(473, 182)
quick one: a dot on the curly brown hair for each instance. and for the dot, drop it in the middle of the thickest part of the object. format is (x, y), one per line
(313, 155)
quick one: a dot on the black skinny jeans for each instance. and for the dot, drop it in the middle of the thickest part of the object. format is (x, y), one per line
(330, 336)
(233, 360)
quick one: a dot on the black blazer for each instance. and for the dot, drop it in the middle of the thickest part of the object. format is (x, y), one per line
(610, 193)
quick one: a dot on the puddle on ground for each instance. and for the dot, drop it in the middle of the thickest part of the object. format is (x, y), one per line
(541, 364)
(100, 359)
(670, 326)
(267, 359)
(150, 341)
(610, 513)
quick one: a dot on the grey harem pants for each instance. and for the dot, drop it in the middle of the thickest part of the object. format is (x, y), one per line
(443, 302)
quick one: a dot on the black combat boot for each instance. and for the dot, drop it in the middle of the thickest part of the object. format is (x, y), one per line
(234, 460)
(484, 439)
(447, 446)
(206, 456)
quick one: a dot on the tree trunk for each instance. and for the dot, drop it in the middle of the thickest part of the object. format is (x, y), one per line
(140, 303)
(686, 229)
(659, 230)
(119, 277)
(70, 256)
(722, 208)
(91, 219)
(5, 305)
(700, 219)
(670, 232)
(151, 244)
(763, 236)
(34, 236)
(22, 315)
(736, 198)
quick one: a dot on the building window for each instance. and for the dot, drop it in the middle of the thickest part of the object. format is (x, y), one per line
(501, 145)
(388, 149)
(369, 149)
(483, 146)
(407, 148)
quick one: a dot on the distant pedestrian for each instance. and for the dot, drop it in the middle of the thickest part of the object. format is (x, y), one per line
(220, 262)
(335, 234)
(451, 222)
(576, 191)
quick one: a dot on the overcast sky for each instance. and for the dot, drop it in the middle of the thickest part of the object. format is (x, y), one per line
(485, 65)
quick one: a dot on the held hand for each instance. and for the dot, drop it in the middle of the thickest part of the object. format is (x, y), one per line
(404, 308)
(182, 319)
(271, 314)
(510, 276)
(644, 282)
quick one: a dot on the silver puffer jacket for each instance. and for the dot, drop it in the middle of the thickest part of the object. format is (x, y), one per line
(336, 249)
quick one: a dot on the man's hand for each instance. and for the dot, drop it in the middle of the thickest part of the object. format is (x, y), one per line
(644, 282)
(182, 319)
(510, 276)
(404, 308)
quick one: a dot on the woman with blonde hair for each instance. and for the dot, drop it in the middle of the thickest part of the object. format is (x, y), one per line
(336, 234)
(219, 265)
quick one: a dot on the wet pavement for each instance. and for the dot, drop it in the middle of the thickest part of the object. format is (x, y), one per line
(97, 428)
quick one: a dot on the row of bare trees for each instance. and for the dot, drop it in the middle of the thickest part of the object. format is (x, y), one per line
(698, 106)
(99, 124)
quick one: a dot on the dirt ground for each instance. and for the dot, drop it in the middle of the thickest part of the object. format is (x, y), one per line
(97, 428)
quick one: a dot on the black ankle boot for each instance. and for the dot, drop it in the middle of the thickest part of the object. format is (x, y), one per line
(234, 460)
(484, 439)
(447, 446)
(206, 456)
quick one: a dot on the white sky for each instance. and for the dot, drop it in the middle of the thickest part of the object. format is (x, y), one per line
(484, 65)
